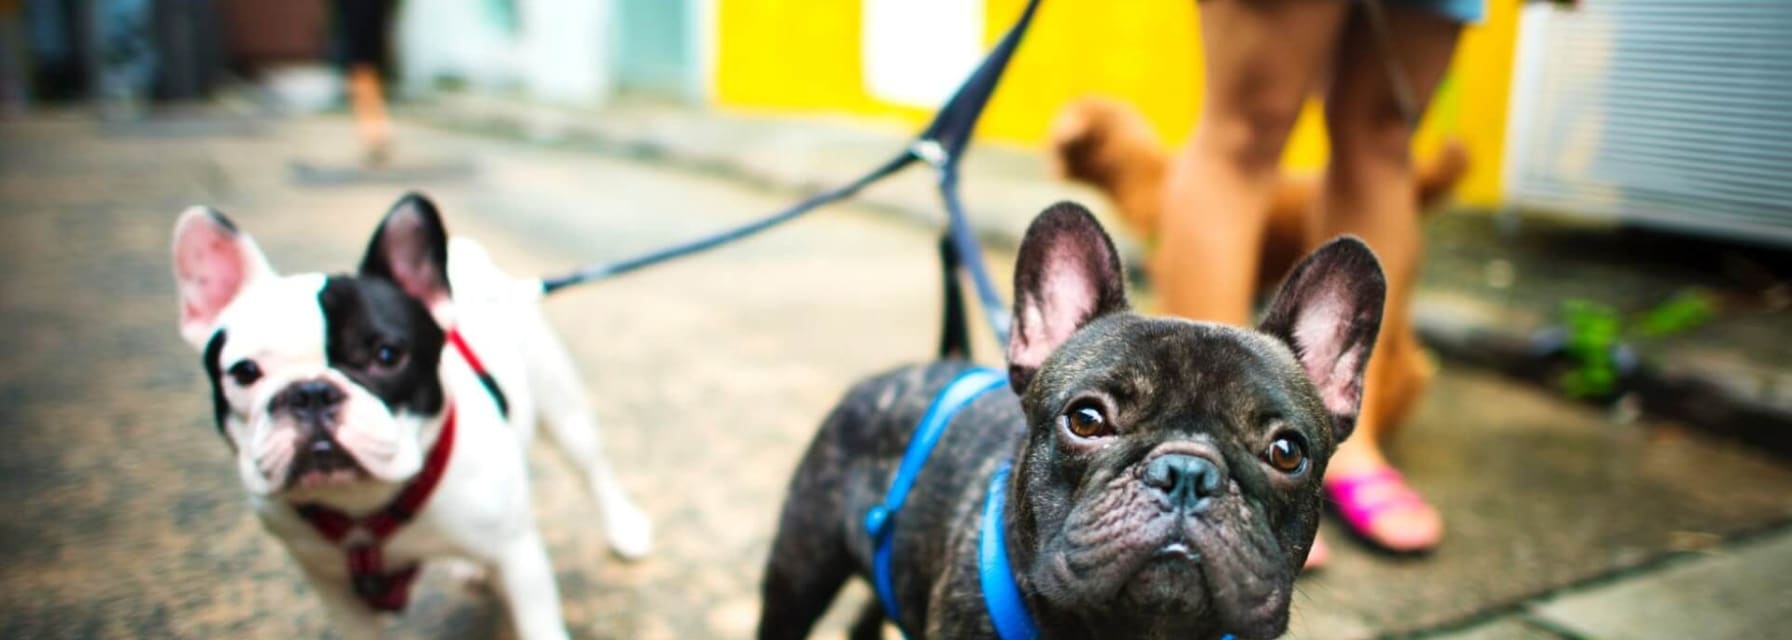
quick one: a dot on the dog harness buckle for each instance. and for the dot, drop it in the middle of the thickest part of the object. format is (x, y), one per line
(382, 590)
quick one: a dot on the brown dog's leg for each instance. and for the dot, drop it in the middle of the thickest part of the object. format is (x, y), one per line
(1110, 146)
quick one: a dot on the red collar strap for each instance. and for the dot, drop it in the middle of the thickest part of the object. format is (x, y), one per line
(380, 589)
(485, 377)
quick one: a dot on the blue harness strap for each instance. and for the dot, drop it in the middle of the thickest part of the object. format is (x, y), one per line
(1001, 596)
(880, 520)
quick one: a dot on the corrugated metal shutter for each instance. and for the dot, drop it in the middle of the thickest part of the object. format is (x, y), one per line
(1673, 113)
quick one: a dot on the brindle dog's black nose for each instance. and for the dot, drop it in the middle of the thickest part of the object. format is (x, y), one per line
(1186, 481)
(313, 400)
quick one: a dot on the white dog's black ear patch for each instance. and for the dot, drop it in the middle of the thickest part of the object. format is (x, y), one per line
(212, 360)
(411, 249)
(384, 340)
(1328, 312)
(1068, 274)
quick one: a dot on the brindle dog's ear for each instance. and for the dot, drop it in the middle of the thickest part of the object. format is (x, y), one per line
(1068, 274)
(411, 249)
(1328, 311)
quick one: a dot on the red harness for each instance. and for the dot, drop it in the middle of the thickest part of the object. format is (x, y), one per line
(381, 589)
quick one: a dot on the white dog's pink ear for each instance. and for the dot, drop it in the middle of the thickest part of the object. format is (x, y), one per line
(411, 249)
(213, 263)
(1068, 274)
(1328, 312)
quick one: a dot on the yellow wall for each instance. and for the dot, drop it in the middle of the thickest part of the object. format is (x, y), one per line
(804, 55)
(789, 54)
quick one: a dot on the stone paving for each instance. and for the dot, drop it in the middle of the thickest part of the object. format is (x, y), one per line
(124, 518)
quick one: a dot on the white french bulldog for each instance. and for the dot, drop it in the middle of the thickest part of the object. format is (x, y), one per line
(382, 418)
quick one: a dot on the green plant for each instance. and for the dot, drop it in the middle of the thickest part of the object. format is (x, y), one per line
(1595, 330)
(1687, 310)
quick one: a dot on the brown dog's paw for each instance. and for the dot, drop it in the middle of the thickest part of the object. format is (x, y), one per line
(1076, 137)
(1439, 176)
(1095, 139)
(1109, 145)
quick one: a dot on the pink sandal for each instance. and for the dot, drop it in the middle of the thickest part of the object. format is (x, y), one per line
(1363, 498)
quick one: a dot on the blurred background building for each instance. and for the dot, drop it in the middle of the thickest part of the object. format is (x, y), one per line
(1656, 112)
(1608, 436)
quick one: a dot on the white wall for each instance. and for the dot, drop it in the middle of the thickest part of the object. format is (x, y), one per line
(565, 47)
(559, 50)
(916, 52)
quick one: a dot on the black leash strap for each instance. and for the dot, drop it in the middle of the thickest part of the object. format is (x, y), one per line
(940, 145)
(612, 269)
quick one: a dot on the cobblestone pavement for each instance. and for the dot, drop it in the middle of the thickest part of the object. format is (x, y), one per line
(124, 518)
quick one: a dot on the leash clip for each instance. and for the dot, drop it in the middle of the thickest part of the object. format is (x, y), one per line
(929, 151)
(877, 521)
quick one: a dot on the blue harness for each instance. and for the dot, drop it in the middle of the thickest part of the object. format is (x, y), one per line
(1002, 599)
(1001, 595)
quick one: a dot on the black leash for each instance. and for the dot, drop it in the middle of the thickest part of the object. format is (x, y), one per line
(940, 145)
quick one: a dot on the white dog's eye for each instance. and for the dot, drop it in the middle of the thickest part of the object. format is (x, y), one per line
(245, 372)
(388, 356)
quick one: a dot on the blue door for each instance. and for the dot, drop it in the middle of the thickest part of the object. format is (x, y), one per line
(656, 48)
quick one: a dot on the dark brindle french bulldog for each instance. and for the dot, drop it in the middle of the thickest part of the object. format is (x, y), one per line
(1165, 474)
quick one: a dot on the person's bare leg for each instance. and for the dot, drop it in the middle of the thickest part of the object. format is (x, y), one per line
(1263, 58)
(368, 102)
(1369, 191)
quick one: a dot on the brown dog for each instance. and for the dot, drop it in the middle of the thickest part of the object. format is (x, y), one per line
(1109, 145)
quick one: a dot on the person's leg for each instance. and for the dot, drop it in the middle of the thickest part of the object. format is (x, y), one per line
(1369, 191)
(1262, 60)
(367, 100)
(365, 25)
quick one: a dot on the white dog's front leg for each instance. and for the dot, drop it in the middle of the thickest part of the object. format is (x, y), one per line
(560, 394)
(527, 580)
(352, 618)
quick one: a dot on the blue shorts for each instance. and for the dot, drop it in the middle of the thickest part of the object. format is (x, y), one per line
(1464, 11)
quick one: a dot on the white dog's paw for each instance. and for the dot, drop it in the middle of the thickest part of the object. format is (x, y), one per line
(472, 576)
(629, 531)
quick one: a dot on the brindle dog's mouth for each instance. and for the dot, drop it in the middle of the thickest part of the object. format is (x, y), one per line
(1160, 571)
(1171, 580)
(1177, 550)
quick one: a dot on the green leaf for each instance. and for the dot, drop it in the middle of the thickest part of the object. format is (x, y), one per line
(1689, 309)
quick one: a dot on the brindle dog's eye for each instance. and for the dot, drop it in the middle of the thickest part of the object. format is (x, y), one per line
(1086, 421)
(388, 355)
(1288, 454)
(245, 372)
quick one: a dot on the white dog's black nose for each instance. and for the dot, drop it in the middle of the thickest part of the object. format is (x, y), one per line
(309, 400)
(1185, 481)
